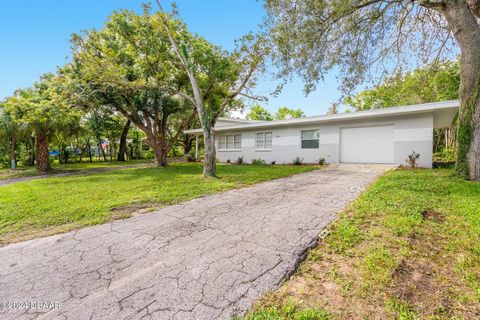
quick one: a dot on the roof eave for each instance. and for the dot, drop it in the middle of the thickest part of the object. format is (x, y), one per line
(374, 113)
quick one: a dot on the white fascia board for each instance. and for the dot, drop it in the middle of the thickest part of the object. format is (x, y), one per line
(373, 113)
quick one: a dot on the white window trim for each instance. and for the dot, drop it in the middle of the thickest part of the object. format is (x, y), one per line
(225, 137)
(301, 140)
(263, 149)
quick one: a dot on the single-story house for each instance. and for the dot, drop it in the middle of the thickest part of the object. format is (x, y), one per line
(386, 136)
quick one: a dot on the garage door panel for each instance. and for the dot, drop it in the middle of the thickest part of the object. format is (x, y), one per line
(366, 144)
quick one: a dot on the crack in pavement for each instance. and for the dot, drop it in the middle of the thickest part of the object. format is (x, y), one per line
(207, 258)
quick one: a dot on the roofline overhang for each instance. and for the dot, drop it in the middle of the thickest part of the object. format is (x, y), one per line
(373, 113)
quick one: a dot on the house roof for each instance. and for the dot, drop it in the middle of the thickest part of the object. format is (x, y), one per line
(444, 113)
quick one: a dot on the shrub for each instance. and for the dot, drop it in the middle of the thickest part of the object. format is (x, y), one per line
(321, 161)
(272, 163)
(240, 160)
(297, 161)
(445, 155)
(190, 158)
(228, 160)
(258, 161)
(412, 159)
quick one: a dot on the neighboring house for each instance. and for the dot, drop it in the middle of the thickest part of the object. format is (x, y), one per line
(374, 136)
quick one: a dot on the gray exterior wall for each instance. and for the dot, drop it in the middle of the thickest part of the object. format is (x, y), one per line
(411, 133)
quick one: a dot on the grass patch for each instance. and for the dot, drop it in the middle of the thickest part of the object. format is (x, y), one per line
(21, 172)
(407, 248)
(58, 204)
(288, 311)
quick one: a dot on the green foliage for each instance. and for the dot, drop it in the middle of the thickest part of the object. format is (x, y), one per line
(412, 159)
(297, 161)
(403, 310)
(466, 123)
(436, 82)
(321, 161)
(446, 155)
(344, 236)
(259, 113)
(258, 162)
(42, 106)
(139, 78)
(362, 43)
(285, 113)
(290, 311)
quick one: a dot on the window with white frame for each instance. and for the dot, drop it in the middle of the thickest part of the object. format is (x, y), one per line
(310, 139)
(230, 142)
(264, 141)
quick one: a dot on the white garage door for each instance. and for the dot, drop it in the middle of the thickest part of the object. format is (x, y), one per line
(366, 145)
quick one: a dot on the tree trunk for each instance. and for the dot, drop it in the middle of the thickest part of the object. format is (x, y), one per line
(100, 146)
(210, 158)
(123, 142)
(14, 152)
(160, 155)
(31, 153)
(466, 31)
(187, 143)
(42, 151)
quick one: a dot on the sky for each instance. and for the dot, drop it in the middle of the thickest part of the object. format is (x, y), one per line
(34, 39)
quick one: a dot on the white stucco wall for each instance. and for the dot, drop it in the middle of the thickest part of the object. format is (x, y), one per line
(411, 133)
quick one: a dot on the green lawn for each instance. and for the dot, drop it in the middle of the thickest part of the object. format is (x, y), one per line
(408, 248)
(6, 173)
(48, 206)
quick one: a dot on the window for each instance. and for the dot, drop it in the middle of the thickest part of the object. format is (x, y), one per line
(310, 139)
(264, 141)
(237, 141)
(230, 142)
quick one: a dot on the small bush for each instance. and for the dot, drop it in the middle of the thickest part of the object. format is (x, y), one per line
(258, 162)
(321, 161)
(297, 161)
(228, 160)
(190, 158)
(272, 163)
(240, 160)
(412, 159)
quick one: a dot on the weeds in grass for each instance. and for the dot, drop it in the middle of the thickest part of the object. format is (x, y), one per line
(402, 310)
(408, 248)
(344, 235)
(289, 311)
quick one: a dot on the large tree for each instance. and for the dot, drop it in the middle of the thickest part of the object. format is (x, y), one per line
(216, 77)
(42, 109)
(435, 82)
(258, 112)
(368, 39)
(11, 132)
(284, 113)
(128, 68)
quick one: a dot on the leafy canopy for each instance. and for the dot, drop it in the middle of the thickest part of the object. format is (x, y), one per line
(42, 106)
(259, 113)
(363, 40)
(437, 82)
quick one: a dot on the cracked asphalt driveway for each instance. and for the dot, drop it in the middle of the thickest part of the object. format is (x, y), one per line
(204, 259)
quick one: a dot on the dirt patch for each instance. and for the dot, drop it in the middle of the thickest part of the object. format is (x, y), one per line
(328, 281)
(415, 283)
(133, 210)
(433, 215)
